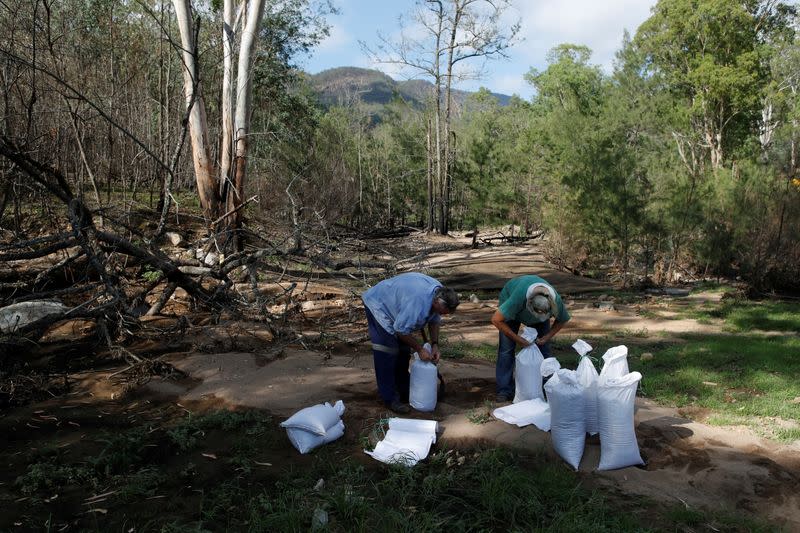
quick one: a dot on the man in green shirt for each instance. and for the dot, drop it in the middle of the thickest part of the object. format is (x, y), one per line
(532, 301)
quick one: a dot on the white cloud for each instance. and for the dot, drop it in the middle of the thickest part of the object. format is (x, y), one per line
(339, 39)
(598, 24)
(507, 84)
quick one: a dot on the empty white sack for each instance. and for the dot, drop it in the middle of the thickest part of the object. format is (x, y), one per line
(407, 442)
(536, 412)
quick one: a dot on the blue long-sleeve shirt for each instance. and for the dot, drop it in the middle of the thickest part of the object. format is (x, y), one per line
(402, 304)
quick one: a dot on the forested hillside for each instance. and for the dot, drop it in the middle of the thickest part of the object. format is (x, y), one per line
(345, 86)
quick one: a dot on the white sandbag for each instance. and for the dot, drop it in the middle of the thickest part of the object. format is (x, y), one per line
(615, 363)
(567, 419)
(549, 366)
(615, 406)
(317, 419)
(582, 347)
(424, 384)
(527, 369)
(536, 412)
(305, 441)
(406, 442)
(587, 377)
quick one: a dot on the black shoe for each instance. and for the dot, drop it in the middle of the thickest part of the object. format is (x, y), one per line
(501, 398)
(400, 407)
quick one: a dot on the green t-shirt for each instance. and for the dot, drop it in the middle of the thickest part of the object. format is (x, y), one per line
(513, 301)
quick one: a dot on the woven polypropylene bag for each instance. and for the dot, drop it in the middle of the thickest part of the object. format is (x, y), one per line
(616, 398)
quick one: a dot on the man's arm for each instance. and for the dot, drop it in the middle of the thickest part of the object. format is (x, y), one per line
(433, 328)
(499, 321)
(411, 341)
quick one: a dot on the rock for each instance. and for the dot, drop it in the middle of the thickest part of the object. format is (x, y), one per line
(194, 271)
(21, 314)
(474, 298)
(211, 259)
(174, 238)
(796, 400)
(180, 294)
(647, 356)
(606, 306)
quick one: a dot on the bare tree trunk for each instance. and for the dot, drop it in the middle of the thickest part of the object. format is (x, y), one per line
(198, 124)
(429, 161)
(458, 11)
(244, 89)
(83, 158)
(228, 36)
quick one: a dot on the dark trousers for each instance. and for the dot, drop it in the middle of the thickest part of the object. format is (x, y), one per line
(391, 362)
(504, 369)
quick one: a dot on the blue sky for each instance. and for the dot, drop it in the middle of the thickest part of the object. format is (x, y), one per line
(598, 24)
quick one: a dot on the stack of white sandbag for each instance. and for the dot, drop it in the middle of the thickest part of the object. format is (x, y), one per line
(527, 369)
(424, 385)
(567, 415)
(583, 401)
(315, 426)
(616, 398)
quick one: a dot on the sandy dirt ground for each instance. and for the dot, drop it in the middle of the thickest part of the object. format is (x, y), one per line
(687, 462)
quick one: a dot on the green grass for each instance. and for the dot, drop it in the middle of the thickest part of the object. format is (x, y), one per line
(463, 350)
(482, 414)
(471, 490)
(458, 489)
(742, 316)
(733, 375)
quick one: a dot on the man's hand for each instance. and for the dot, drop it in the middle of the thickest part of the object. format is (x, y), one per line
(524, 343)
(541, 341)
(435, 353)
(425, 355)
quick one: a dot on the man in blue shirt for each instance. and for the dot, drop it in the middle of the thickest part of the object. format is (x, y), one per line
(396, 308)
(528, 300)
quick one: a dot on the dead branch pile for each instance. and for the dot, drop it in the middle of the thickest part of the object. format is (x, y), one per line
(109, 268)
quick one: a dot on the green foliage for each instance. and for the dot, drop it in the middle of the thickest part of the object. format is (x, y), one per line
(48, 477)
(150, 275)
(122, 452)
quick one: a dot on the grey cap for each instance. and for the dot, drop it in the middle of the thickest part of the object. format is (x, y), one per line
(448, 297)
(539, 307)
(540, 304)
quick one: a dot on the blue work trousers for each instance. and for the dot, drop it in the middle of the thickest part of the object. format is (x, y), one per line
(504, 370)
(391, 363)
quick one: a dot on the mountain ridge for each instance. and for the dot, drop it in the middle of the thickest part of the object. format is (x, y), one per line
(345, 85)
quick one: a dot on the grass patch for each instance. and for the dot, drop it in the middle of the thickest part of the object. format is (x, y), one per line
(475, 490)
(742, 316)
(752, 376)
(463, 350)
(480, 415)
